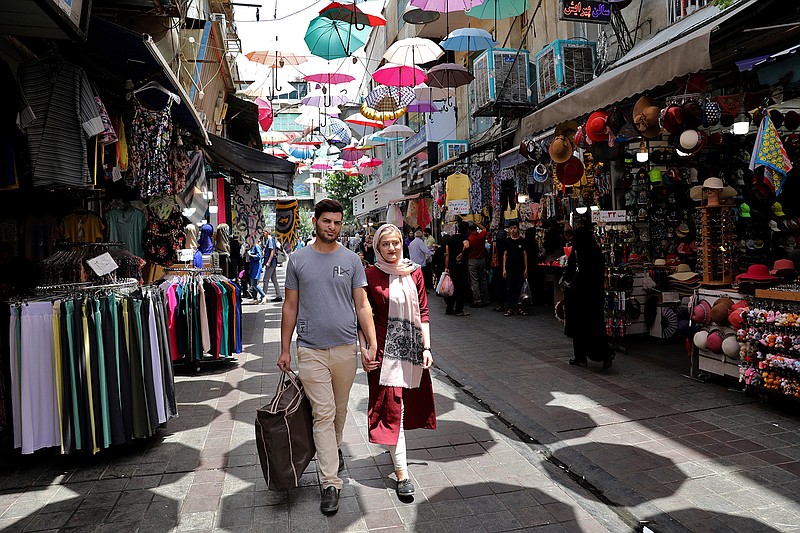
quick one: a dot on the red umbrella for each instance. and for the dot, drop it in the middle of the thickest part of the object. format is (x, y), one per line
(399, 75)
(329, 78)
(265, 115)
(369, 162)
(351, 14)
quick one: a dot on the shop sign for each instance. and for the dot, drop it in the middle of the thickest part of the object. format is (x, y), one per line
(613, 217)
(458, 207)
(585, 11)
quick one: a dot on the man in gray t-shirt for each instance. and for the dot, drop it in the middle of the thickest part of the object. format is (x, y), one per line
(326, 301)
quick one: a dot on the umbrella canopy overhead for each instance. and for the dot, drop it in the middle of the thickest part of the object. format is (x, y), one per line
(360, 120)
(325, 100)
(302, 151)
(351, 14)
(334, 39)
(329, 78)
(276, 58)
(369, 162)
(499, 9)
(449, 75)
(277, 151)
(265, 115)
(396, 131)
(468, 40)
(273, 137)
(352, 152)
(321, 164)
(446, 6)
(336, 131)
(398, 96)
(399, 75)
(425, 92)
(386, 110)
(373, 140)
(422, 106)
(413, 51)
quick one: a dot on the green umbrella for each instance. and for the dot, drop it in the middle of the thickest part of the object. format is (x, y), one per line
(333, 39)
(499, 9)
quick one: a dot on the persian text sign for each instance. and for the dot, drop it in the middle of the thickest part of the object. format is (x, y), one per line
(585, 11)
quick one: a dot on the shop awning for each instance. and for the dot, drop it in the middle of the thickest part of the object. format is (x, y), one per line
(679, 49)
(255, 164)
(115, 51)
(242, 121)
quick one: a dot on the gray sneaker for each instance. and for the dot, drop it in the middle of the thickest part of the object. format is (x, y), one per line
(404, 488)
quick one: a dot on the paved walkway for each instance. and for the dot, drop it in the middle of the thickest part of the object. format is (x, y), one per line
(525, 442)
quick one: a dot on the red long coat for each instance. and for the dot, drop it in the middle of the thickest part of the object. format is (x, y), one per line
(383, 413)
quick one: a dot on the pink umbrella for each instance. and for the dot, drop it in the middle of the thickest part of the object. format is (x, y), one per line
(369, 162)
(352, 152)
(321, 165)
(265, 115)
(399, 75)
(329, 78)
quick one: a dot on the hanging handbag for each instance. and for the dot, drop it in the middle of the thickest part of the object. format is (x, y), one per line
(284, 434)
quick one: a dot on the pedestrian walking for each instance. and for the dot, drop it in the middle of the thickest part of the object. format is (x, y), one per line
(400, 389)
(515, 268)
(420, 254)
(256, 255)
(271, 265)
(476, 265)
(325, 293)
(456, 265)
(584, 298)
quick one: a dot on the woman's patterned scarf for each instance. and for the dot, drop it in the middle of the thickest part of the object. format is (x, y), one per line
(402, 350)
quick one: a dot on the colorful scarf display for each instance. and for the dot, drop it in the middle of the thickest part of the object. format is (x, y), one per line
(768, 151)
(402, 351)
(287, 220)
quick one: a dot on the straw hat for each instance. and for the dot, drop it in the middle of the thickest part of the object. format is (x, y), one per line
(646, 112)
(698, 192)
(561, 149)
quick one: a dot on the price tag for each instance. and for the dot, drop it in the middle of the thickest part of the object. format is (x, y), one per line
(102, 264)
(613, 216)
(185, 255)
(458, 207)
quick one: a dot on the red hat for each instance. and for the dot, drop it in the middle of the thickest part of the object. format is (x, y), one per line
(672, 118)
(741, 304)
(702, 313)
(571, 171)
(714, 341)
(782, 264)
(673, 260)
(596, 127)
(757, 273)
(736, 317)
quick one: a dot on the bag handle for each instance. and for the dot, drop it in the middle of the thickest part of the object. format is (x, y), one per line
(293, 381)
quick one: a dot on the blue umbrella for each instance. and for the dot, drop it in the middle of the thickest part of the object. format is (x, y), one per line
(302, 151)
(336, 131)
(468, 40)
(333, 39)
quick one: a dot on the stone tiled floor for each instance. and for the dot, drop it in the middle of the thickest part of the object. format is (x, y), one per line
(654, 447)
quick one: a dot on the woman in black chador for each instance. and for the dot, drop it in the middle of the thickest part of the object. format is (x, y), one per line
(584, 297)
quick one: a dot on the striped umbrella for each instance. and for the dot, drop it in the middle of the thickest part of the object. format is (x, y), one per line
(394, 96)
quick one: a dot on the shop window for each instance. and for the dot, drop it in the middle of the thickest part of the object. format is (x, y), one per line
(678, 9)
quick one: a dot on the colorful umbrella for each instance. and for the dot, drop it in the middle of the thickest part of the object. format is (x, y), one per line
(468, 40)
(336, 131)
(302, 151)
(265, 115)
(276, 58)
(424, 92)
(373, 140)
(399, 75)
(360, 120)
(396, 131)
(275, 151)
(325, 100)
(390, 113)
(446, 6)
(352, 152)
(413, 51)
(321, 164)
(499, 9)
(422, 106)
(449, 75)
(334, 39)
(351, 14)
(369, 162)
(329, 78)
(398, 96)
(273, 137)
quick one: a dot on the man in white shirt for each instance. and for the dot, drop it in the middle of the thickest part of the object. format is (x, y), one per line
(419, 252)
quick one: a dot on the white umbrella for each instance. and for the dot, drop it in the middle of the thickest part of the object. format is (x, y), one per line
(396, 131)
(273, 137)
(413, 51)
(423, 92)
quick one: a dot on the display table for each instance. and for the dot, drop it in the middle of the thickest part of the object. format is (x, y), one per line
(708, 362)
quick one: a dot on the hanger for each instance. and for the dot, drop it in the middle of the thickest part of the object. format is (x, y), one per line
(157, 86)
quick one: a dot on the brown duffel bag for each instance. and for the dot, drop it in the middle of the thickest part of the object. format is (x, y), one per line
(284, 434)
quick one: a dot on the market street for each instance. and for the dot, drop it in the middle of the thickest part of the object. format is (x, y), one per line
(653, 446)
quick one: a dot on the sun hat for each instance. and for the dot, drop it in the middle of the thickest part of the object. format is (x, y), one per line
(776, 117)
(698, 191)
(683, 272)
(730, 346)
(540, 173)
(691, 140)
(701, 339)
(570, 171)
(777, 210)
(561, 149)
(596, 128)
(660, 263)
(671, 118)
(782, 264)
(701, 313)
(757, 272)
(645, 117)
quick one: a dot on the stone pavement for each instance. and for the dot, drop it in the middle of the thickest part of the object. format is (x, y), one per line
(525, 442)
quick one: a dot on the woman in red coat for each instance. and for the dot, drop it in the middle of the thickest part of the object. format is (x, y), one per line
(400, 389)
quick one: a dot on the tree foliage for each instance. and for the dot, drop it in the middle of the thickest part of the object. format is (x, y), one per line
(343, 189)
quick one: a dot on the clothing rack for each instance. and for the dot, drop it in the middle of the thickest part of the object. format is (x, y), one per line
(110, 244)
(127, 283)
(194, 270)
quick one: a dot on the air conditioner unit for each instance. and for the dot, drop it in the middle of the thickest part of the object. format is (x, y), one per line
(450, 149)
(501, 75)
(223, 23)
(564, 65)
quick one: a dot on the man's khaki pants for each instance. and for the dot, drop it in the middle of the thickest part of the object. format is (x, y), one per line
(327, 377)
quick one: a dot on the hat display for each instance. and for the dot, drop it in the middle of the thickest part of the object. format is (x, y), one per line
(777, 210)
(791, 120)
(671, 118)
(730, 346)
(540, 173)
(561, 149)
(757, 272)
(701, 313)
(683, 272)
(646, 112)
(570, 171)
(719, 314)
(782, 264)
(531, 150)
(714, 341)
(692, 114)
(597, 127)
(744, 211)
(655, 175)
(701, 339)
(692, 140)
(615, 121)
(711, 113)
(698, 192)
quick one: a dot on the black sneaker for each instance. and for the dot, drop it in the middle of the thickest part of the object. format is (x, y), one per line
(330, 500)
(341, 461)
(277, 299)
(404, 488)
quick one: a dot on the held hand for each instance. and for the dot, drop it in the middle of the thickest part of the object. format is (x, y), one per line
(368, 359)
(504, 273)
(284, 361)
(427, 359)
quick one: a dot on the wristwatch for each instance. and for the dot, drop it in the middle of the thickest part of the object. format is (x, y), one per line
(426, 348)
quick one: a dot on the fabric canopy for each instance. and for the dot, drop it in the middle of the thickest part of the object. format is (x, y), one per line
(679, 49)
(261, 167)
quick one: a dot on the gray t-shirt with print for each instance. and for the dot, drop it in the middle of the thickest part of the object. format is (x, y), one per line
(325, 281)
